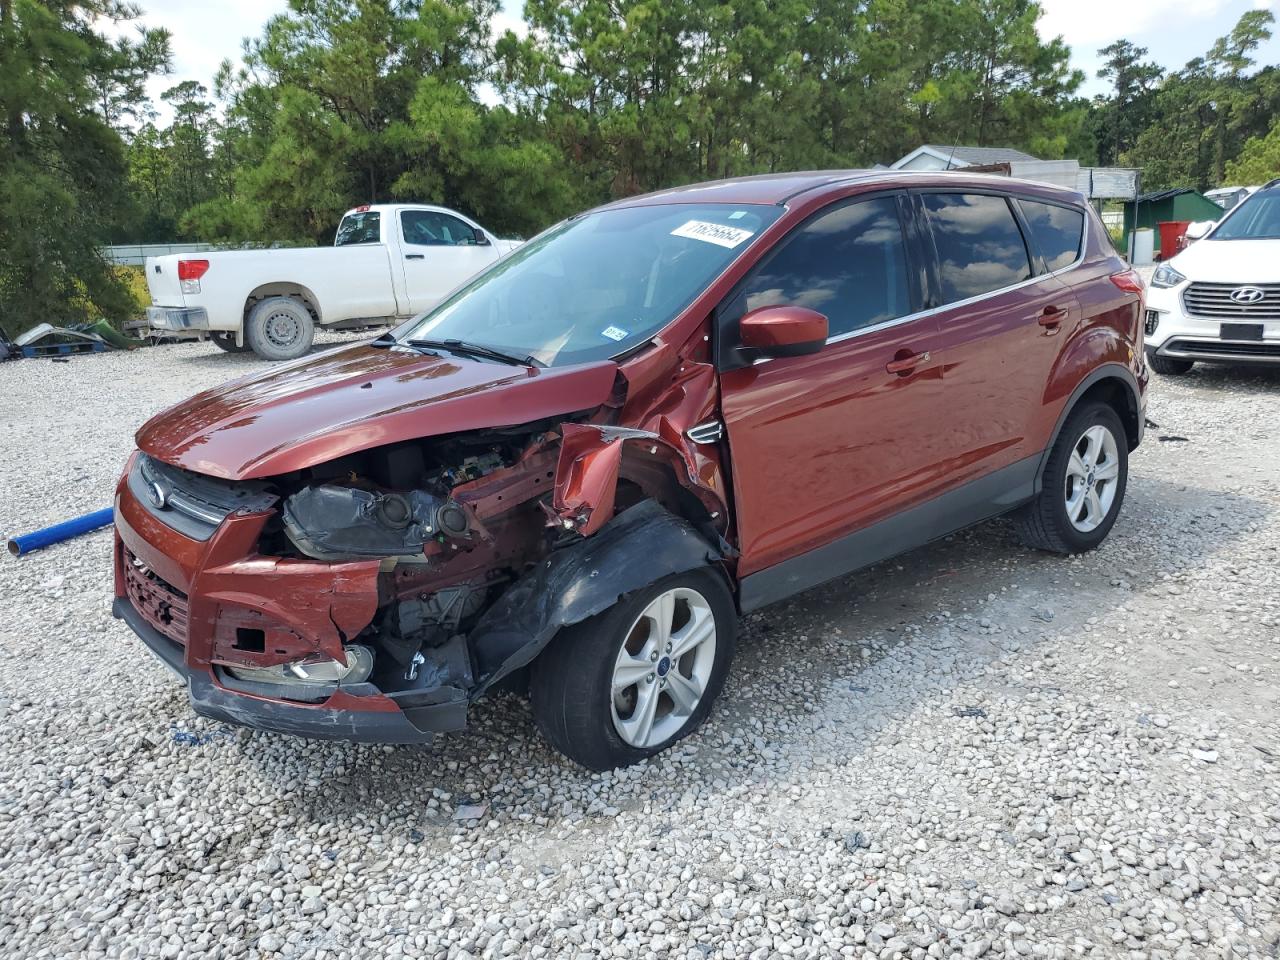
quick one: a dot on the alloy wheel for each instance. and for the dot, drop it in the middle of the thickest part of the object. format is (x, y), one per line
(663, 668)
(1092, 478)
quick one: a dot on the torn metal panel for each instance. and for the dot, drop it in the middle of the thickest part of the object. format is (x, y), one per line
(639, 546)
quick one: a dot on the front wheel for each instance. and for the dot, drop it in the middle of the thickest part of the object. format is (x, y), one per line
(225, 340)
(1168, 366)
(1083, 485)
(629, 682)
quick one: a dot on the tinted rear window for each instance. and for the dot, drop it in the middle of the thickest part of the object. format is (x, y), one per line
(980, 247)
(359, 228)
(1056, 231)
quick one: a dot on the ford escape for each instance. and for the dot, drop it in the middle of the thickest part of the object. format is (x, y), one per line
(572, 475)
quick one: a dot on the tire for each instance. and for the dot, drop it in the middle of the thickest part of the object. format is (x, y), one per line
(1055, 520)
(1168, 366)
(279, 328)
(572, 683)
(225, 340)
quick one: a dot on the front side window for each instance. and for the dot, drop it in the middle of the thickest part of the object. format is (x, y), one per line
(430, 228)
(596, 286)
(849, 264)
(1257, 218)
(362, 227)
(1056, 230)
(979, 245)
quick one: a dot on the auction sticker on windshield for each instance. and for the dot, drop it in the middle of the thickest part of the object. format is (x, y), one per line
(712, 233)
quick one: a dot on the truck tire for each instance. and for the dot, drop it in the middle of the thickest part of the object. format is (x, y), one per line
(279, 328)
(590, 687)
(1083, 485)
(225, 340)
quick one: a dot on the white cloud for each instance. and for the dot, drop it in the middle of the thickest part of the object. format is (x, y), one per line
(1086, 24)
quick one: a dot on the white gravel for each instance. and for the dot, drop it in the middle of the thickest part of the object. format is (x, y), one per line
(972, 751)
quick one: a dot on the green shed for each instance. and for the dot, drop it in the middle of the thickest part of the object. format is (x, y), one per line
(1181, 203)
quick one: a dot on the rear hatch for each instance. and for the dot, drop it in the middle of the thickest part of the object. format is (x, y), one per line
(162, 281)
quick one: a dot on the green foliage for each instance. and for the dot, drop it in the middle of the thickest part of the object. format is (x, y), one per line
(62, 165)
(341, 102)
(1201, 116)
(1259, 161)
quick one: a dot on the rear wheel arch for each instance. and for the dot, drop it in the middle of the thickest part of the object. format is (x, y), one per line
(1112, 384)
(285, 288)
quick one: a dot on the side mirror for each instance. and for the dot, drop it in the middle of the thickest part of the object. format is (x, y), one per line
(783, 331)
(1198, 229)
(481, 238)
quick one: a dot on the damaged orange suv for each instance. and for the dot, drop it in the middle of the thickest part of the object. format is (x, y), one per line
(575, 473)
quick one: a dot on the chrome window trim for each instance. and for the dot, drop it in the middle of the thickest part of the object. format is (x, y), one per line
(923, 314)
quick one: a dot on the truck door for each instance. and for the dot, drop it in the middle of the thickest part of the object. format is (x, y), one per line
(439, 252)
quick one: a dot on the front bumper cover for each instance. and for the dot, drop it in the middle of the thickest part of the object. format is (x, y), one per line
(1180, 336)
(380, 720)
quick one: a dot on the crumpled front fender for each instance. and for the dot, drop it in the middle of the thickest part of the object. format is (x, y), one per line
(638, 547)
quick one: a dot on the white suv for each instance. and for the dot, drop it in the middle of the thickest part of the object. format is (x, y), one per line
(1218, 301)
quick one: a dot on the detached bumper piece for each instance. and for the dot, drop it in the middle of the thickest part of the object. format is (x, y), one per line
(359, 712)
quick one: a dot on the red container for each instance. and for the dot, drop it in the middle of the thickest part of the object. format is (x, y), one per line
(1171, 234)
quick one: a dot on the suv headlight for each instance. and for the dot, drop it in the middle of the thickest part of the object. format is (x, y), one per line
(1165, 276)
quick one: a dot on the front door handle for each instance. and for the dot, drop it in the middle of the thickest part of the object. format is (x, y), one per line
(904, 365)
(415, 256)
(1052, 316)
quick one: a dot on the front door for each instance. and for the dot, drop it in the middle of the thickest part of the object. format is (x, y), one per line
(439, 252)
(826, 444)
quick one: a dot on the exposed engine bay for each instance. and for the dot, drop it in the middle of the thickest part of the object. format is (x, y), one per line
(452, 523)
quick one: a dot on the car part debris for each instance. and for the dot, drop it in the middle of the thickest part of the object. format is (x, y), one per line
(314, 671)
(46, 537)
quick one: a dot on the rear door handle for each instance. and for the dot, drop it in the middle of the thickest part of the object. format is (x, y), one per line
(415, 256)
(1052, 316)
(904, 365)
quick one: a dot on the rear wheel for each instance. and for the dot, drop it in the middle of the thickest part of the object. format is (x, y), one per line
(630, 682)
(279, 328)
(1168, 366)
(1083, 485)
(225, 340)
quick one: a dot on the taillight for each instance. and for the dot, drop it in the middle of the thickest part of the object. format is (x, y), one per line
(1129, 281)
(189, 274)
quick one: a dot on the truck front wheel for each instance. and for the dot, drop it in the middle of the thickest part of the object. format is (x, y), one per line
(279, 328)
(225, 340)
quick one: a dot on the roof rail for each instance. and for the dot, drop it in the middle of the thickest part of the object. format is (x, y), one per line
(1271, 183)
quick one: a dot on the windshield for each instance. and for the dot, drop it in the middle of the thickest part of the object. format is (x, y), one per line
(1257, 218)
(363, 227)
(597, 286)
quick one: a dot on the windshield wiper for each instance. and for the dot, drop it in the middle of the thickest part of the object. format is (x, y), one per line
(478, 350)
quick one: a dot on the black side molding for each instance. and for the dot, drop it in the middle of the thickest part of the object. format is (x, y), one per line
(978, 500)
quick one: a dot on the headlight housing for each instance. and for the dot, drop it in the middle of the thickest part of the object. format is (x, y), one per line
(1165, 277)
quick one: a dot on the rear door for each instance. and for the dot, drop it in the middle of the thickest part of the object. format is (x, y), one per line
(439, 251)
(825, 444)
(1003, 318)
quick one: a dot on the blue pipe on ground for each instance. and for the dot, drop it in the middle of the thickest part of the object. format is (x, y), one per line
(38, 539)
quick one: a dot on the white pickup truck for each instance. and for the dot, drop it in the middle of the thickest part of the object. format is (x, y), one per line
(387, 262)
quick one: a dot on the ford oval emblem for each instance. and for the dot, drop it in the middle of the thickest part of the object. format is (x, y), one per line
(158, 494)
(1247, 294)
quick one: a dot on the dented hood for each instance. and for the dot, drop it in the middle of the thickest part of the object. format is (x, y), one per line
(325, 406)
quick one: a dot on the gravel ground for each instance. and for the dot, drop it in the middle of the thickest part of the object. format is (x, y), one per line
(972, 751)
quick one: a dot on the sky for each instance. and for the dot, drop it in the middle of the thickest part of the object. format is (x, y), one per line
(204, 32)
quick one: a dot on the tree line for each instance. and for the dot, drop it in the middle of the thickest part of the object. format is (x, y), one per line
(340, 102)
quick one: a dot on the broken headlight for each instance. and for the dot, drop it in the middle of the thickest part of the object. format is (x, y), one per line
(318, 672)
(335, 522)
